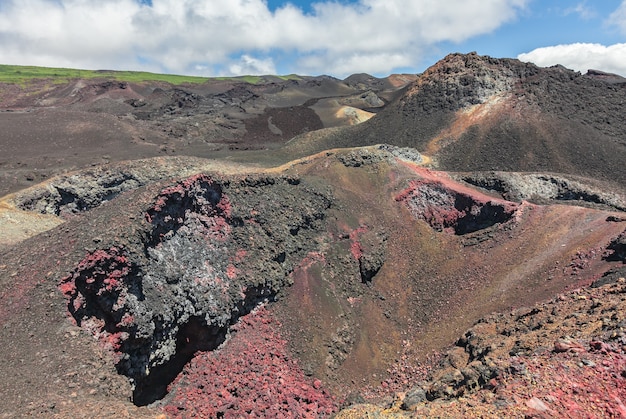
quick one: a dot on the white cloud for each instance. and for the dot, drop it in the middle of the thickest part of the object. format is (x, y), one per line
(183, 36)
(582, 10)
(618, 17)
(249, 65)
(585, 56)
(351, 63)
(581, 57)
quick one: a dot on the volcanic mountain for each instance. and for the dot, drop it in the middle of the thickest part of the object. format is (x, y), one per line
(450, 245)
(475, 113)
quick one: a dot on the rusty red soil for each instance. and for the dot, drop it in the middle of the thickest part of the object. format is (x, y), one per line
(252, 375)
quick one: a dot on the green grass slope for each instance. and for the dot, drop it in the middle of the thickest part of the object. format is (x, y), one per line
(21, 75)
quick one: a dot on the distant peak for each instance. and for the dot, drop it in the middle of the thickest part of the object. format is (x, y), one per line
(360, 78)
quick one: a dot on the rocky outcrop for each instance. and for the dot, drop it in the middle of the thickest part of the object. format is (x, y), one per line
(477, 360)
(531, 362)
(462, 80)
(212, 251)
(86, 189)
(446, 209)
(76, 193)
(617, 249)
(544, 188)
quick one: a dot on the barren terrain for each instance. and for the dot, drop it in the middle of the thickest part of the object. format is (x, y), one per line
(444, 245)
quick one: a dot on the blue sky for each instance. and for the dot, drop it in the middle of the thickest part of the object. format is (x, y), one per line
(336, 37)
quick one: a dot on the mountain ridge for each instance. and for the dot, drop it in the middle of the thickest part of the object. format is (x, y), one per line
(533, 122)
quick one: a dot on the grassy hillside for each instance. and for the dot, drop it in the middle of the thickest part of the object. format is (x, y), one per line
(24, 74)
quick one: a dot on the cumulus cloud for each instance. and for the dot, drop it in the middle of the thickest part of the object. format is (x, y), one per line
(39, 32)
(581, 57)
(202, 36)
(251, 65)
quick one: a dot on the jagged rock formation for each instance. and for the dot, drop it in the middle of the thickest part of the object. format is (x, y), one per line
(72, 194)
(209, 256)
(445, 208)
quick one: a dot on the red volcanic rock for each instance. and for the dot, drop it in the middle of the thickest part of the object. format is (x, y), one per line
(566, 345)
(504, 366)
(198, 265)
(355, 247)
(196, 202)
(103, 276)
(582, 383)
(460, 211)
(251, 375)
